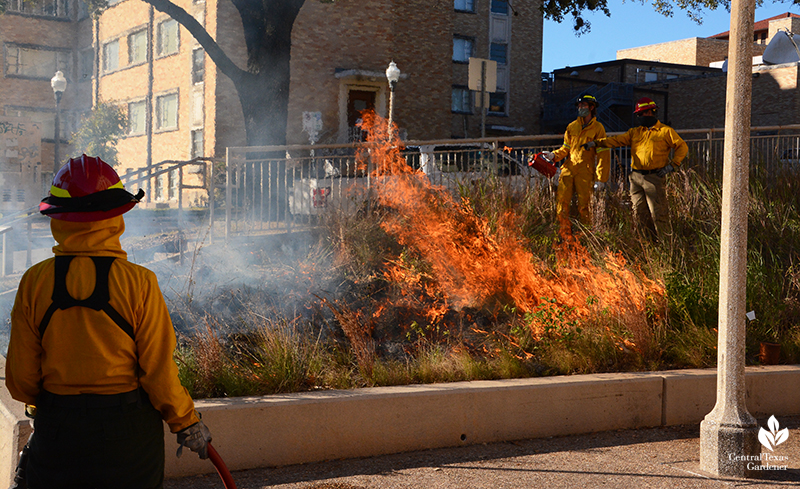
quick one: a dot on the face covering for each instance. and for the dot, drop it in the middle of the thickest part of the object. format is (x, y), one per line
(647, 120)
(583, 112)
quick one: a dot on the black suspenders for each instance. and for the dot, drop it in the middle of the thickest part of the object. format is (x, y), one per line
(97, 301)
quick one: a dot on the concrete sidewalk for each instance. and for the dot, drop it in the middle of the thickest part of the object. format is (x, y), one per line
(665, 458)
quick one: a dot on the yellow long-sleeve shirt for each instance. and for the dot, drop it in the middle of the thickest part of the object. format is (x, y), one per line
(583, 160)
(650, 146)
(83, 351)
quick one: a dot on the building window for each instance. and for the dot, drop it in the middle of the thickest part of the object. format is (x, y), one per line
(162, 181)
(46, 120)
(197, 143)
(137, 47)
(498, 52)
(167, 112)
(198, 102)
(465, 5)
(83, 11)
(38, 63)
(461, 102)
(137, 117)
(650, 76)
(168, 38)
(198, 65)
(462, 49)
(85, 65)
(500, 7)
(174, 180)
(497, 103)
(47, 8)
(111, 56)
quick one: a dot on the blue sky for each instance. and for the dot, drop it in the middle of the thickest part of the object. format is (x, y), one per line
(632, 25)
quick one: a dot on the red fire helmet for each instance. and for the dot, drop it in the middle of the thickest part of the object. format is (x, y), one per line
(87, 189)
(643, 104)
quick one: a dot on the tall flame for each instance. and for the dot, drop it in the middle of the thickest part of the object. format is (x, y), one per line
(477, 266)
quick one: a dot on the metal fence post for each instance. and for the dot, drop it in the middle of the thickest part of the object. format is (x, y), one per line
(228, 191)
(28, 257)
(211, 190)
(495, 145)
(8, 252)
(180, 193)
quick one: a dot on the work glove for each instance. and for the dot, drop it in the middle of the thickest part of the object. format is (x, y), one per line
(599, 186)
(549, 155)
(589, 145)
(663, 171)
(195, 438)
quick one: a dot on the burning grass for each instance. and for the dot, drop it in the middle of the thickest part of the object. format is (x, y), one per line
(426, 286)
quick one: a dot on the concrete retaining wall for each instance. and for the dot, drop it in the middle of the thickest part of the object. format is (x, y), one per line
(313, 426)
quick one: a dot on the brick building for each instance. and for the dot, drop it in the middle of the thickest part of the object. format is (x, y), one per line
(38, 40)
(179, 106)
(617, 85)
(431, 43)
(695, 51)
(687, 80)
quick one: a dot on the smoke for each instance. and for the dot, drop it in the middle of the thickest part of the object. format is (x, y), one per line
(269, 275)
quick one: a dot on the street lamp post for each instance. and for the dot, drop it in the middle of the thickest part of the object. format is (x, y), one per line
(59, 84)
(392, 74)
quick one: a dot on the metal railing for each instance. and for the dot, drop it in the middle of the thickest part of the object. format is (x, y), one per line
(273, 189)
(281, 186)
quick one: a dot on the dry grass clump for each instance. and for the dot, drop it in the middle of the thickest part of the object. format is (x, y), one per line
(396, 310)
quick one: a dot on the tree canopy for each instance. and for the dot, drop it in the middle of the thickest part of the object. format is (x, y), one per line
(100, 131)
(557, 10)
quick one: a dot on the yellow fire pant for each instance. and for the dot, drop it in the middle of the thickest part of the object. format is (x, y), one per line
(568, 185)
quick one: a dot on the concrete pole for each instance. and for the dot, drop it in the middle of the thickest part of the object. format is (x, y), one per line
(729, 434)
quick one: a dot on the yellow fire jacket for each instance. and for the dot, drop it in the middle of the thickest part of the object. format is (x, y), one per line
(581, 160)
(650, 146)
(83, 351)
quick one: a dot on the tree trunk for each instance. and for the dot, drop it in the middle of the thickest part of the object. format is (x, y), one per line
(263, 89)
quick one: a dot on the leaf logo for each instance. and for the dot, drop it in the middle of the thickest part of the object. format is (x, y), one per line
(775, 436)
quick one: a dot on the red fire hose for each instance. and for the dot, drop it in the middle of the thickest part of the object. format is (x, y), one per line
(222, 469)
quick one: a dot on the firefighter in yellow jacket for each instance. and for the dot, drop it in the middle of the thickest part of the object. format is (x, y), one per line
(651, 143)
(91, 347)
(581, 168)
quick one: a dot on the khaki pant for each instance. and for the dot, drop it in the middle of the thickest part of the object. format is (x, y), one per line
(649, 200)
(567, 185)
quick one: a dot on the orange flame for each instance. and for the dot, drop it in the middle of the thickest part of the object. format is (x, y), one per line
(477, 267)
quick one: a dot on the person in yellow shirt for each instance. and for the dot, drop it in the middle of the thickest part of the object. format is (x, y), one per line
(651, 144)
(91, 347)
(581, 168)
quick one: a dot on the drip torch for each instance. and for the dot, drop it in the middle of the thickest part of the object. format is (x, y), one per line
(541, 164)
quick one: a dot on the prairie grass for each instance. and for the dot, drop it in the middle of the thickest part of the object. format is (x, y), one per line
(390, 322)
